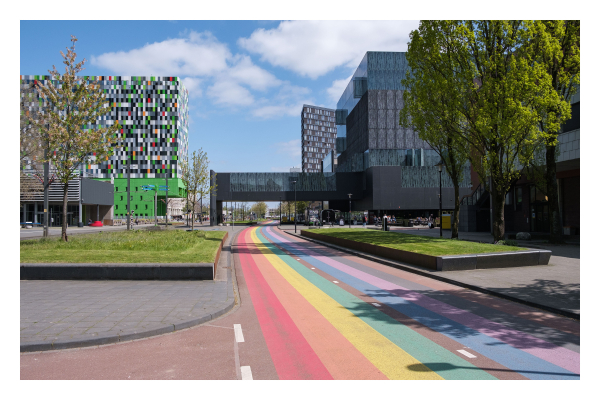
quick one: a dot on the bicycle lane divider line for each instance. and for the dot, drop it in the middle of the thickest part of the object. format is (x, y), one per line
(292, 356)
(246, 373)
(339, 356)
(419, 307)
(483, 363)
(255, 349)
(390, 359)
(416, 345)
(546, 319)
(544, 350)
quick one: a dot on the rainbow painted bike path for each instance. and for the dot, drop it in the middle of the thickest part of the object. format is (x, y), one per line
(327, 315)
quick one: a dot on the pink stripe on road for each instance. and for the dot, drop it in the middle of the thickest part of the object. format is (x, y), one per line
(550, 352)
(559, 323)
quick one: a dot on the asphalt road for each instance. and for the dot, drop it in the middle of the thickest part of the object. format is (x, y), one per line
(311, 312)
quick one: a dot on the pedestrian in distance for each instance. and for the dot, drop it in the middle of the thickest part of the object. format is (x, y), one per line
(89, 221)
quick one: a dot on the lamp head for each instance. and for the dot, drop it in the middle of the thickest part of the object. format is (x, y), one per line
(439, 166)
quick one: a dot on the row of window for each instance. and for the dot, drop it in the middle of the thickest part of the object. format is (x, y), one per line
(315, 150)
(319, 112)
(320, 128)
(319, 123)
(135, 205)
(318, 139)
(311, 160)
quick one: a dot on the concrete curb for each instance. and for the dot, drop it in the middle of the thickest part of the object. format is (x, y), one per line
(109, 339)
(553, 310)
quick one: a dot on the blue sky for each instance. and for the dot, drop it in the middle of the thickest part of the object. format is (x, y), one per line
(247, 79)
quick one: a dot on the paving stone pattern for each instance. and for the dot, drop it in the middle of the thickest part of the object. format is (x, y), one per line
(58, 311)
(65, 314)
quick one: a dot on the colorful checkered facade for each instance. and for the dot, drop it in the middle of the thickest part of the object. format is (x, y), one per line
(153, 114)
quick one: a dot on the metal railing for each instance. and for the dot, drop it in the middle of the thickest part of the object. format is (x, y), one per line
(474, 197)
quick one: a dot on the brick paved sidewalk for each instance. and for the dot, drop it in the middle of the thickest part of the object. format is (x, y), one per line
(65, 314)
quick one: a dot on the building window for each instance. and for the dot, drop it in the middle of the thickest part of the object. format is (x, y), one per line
(408, 161)
(519, 198)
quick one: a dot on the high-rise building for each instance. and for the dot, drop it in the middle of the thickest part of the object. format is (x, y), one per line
(318, 136)
(153, 114)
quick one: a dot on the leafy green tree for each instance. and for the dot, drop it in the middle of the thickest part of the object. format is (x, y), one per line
(561, 60)
(501, 90)
(70, 126)
(192, 179)
(259, 208)
(432, 111)
(302, 206)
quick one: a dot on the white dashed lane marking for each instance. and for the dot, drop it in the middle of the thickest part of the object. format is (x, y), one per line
(246, 373)
(376, 304)
(466, 353)
(239, 336)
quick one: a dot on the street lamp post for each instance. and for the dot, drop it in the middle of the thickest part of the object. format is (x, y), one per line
(440, 165)
(295, 210)
(350, 214)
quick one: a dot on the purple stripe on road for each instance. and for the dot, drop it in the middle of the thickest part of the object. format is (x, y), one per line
(547, 351)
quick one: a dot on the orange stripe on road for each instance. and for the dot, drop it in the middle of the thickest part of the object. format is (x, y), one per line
(340, 357)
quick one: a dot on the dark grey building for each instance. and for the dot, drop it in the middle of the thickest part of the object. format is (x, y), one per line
(384, 167)
(86, 199)
(400, 176)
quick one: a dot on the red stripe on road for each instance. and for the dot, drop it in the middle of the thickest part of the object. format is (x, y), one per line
(291, 354)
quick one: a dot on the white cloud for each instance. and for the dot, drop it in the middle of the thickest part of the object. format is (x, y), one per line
(313, 48)
(291, 148)
(229, 93)
(199, 54)
(337, 88)
(244, 71)
(193, 86)
(197, 58)
(287, 102)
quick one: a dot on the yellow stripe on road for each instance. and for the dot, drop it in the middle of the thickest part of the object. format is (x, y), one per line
(384, 354)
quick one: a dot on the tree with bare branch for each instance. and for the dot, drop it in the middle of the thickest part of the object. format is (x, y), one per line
(71, 125)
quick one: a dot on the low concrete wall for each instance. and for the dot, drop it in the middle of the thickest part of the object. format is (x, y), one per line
(462, 262)
(132, 272)
(124, 271)
(218, 257)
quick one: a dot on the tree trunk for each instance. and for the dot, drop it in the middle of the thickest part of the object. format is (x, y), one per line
(498, 199)
(552, 190)
(193, 215)
(456, 209)
(64, 212)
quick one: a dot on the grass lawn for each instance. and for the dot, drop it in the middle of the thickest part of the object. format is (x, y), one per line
(414, 243)
(138, 246)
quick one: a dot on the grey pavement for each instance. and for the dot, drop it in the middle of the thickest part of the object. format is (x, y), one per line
(556, 285)
(64, 314)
